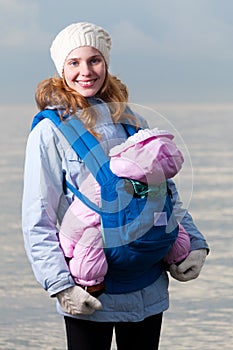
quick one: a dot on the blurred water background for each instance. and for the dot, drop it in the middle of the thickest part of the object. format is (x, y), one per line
(200, 314)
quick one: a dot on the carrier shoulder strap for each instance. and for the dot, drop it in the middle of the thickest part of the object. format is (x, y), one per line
(86, 146)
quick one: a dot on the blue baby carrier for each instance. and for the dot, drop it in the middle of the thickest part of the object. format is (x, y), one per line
(138, 223)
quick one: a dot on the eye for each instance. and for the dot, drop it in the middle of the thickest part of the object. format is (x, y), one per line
(73, 63)
(95, 60)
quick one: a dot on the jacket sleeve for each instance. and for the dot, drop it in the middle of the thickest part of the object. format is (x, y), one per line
(183, 216)
(43, 199)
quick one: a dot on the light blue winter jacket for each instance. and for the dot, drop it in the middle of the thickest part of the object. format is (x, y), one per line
(44, 205)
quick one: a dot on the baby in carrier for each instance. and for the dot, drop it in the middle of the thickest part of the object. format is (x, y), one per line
(149, 157)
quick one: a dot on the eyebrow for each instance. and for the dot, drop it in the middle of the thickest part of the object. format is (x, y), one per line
(79, 58)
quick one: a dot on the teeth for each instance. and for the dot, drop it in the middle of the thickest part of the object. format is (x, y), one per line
(86, 83)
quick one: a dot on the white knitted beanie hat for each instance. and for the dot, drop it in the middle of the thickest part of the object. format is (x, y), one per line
(78, 35)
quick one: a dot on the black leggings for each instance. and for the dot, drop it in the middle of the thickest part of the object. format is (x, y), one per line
(88, 335)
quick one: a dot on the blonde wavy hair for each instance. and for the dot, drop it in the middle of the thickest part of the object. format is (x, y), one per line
(55, 92)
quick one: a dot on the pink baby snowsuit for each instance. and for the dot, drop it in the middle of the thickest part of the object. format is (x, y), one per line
(149, 156)
(81, 240)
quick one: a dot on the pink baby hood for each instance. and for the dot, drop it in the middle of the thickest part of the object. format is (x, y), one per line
(149, 156)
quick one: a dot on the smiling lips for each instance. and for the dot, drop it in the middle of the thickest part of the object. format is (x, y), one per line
(86, 84)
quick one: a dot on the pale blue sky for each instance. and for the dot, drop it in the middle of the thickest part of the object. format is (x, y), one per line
(164, 50)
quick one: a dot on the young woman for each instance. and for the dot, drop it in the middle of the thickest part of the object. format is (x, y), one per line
(81, 54)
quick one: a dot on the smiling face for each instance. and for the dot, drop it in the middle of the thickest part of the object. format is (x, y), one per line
(85, 70)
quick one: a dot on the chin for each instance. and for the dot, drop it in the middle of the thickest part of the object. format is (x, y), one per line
(88, 93)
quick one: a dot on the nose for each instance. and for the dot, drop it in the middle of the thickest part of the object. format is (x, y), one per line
(85, 69)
